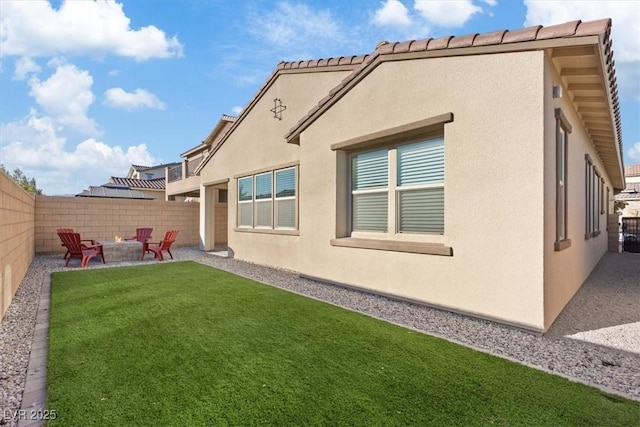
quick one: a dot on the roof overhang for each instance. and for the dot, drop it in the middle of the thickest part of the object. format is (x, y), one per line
(580, 52)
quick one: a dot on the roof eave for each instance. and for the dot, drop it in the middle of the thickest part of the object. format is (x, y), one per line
(293, 137)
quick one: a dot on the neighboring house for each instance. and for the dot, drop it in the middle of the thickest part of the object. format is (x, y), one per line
(113, 191)
(153, 188)
(181, 178)
(631, 194)
(149, 172)
(470, 173)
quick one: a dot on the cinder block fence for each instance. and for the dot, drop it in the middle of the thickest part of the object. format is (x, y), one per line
(28, 226)
(103, 219)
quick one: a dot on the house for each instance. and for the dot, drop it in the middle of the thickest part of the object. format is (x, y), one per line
(113, 191)
(472, 173)
(152, 188)
(181, 178)
(149, 172)
(631, 194)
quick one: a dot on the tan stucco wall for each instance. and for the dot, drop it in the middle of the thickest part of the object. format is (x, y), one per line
(17, 226)
(187, 185)
(565, 271)
(493, 196)
(103, 219)
(258, 143)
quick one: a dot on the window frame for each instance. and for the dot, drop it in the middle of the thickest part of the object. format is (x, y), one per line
(273, 199)
(394, 192)
(593, 198)
(563, 129)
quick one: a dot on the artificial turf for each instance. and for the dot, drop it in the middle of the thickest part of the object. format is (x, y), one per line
(182, 344)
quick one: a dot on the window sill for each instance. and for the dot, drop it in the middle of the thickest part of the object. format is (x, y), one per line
(394, 246)
(588, 236)
(283, 232)
(562, 245)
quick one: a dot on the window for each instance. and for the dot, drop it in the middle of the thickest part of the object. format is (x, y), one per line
(268, 200)
(148, 176)
(409, 178)
(222, 195)
(593, 198)
(563, 128)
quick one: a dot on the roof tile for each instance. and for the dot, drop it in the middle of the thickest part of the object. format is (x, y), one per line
(419, 45)
(632, 170)
(463, 41)
(441, 43)
(489, 38)
(402, 47)
(560, 30)
(593, 27)
(522, 35)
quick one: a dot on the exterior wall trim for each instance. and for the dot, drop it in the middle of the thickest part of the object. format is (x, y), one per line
(280, 231)
(216, 182)
(394, 246)
(267, 169)
(398, 134)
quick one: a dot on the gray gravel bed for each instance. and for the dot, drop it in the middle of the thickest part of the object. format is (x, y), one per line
(613, 370)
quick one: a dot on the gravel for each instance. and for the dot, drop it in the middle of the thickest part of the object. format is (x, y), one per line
(608, 368)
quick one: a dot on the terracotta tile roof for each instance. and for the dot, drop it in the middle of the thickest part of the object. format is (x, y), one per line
(343, 62)
(139, 168)
(632, 170)
(631, 192)
(152, 184)
(503, 37)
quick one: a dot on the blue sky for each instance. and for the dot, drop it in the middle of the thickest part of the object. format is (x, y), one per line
(89, 88)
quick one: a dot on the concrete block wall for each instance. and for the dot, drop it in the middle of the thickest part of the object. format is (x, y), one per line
(17, 228)
(103, 219)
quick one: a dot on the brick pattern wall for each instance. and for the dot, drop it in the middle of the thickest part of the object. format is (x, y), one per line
(103, 219)
(221, 224)
(17, 214)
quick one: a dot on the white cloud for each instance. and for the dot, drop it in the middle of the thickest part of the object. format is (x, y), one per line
(237, 110)
(292, 25)
(24, 67)
(35, 28)
(66, 96)
(114, 73)
(445, 13)
(490, 2)
(33, 145)
(392, 13)
(634, 152)
(624, 15)
(140, 98)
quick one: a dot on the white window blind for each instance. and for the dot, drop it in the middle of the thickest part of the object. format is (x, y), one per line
(285, 205)
(245, 202)
(369, 181)
(420, 185)
(263, 200)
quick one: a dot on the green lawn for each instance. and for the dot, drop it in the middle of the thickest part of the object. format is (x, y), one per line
(183, 344)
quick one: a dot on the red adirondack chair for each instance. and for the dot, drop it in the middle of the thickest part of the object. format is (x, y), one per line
(143, 235)
(76, 249)
(70, 230)
(163, 246)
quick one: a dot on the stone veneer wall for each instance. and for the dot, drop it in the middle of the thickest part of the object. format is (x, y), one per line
(103, 219)
(17, 227)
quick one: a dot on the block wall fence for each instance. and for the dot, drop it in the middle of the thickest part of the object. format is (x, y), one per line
(103, 219)
(17, 232)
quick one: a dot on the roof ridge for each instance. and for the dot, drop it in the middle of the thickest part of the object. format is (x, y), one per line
(575, 28)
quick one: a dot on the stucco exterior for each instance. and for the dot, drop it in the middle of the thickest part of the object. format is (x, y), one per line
(497, 109)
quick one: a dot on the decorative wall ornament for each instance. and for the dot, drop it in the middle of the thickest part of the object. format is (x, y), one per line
(278, 108)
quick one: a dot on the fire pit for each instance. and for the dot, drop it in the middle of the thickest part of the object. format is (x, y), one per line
(123, 250)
